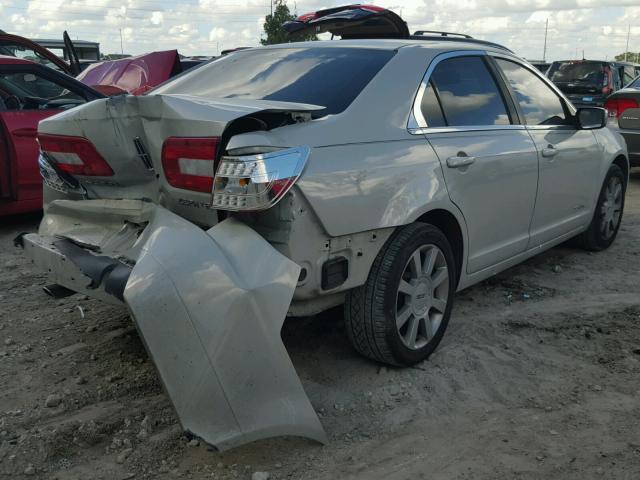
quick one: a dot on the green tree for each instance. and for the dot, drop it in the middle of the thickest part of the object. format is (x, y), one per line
(273, 25)
(629, 57)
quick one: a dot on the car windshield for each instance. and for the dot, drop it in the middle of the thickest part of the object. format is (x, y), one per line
(577, 72)
(326, 76)
(25, 53)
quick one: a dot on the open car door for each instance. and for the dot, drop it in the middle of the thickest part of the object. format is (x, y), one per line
(350, 22)
(25, 49)
(74, 62)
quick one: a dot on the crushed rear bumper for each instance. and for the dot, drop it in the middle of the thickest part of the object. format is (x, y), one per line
(209, 306)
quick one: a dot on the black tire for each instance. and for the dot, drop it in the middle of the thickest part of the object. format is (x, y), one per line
(370, 310)
(594, 238)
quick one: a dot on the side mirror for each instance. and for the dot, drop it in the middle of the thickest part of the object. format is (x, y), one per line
(591, 118)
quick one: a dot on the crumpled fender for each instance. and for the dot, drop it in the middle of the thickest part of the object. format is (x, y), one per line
(209, 307)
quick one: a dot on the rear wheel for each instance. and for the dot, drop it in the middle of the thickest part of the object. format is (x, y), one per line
(399, 316)
(608, 213)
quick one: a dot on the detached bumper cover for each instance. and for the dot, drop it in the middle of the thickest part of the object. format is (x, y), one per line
(209, 306)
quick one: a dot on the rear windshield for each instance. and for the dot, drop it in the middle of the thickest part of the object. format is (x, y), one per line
(329, 77)
(591, 73)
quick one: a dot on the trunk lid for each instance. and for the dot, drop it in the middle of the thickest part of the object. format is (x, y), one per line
(350, 22)
(129, 132)
(134, 75)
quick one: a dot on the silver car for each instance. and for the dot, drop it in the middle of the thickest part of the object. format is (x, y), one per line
(383, 175)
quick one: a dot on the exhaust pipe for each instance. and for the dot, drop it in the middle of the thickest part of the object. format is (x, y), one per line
(57, 291)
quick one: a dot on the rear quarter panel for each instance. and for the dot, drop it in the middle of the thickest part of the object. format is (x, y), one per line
(366, 171)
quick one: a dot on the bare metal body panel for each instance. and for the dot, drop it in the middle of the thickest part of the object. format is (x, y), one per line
(209, 306)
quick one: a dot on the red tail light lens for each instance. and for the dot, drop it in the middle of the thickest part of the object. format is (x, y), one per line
(616, 106)
(74, 155)
(188, 163)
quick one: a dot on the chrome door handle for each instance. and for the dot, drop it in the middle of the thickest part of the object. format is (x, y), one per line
(460, 161)
(549, 151)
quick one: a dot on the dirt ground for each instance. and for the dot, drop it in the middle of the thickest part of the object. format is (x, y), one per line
(538, 376)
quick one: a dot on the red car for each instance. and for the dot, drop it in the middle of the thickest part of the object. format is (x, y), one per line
(35, 84)
(29, 92)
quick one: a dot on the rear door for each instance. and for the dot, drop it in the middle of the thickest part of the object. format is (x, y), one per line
(489, 162)
(569, 157)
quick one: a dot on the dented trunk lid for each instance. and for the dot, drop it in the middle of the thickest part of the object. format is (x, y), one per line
(129, 131)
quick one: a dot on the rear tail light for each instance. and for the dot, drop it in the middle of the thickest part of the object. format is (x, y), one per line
(257, 182)
(74, 155)
(616, 106)
(188, 163)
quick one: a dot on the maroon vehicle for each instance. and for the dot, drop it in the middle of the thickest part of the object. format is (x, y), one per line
(29, 92)
(134, 75)
(36, 84)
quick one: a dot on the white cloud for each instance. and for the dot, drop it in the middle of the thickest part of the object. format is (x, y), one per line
(200, 27)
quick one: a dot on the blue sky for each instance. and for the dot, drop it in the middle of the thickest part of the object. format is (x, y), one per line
(204, 27)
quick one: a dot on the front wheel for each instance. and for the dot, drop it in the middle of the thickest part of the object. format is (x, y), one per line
(399, 316)
(608, 213)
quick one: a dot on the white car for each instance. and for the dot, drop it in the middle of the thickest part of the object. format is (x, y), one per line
(383, 174)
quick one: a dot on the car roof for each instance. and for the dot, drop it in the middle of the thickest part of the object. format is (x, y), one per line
(395, 43)
(7, 59)
(608, 62)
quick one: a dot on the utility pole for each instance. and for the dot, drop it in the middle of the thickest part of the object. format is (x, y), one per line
(121, 48)
(626, 50)
(546, 29)
(271, 8)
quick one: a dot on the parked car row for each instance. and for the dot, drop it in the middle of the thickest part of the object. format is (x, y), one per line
(590, 82)
(383, 172)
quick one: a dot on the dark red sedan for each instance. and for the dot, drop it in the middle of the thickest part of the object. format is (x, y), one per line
(29, 92)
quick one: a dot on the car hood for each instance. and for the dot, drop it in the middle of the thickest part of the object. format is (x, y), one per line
(134, 75)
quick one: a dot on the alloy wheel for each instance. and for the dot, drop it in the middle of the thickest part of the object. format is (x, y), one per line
(611, 208)
(422, 296)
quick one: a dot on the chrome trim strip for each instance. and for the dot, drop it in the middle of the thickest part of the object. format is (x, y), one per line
(551, 127)
(470, 128)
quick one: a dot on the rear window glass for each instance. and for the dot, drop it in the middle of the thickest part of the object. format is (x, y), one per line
(591, 73)
(329, 77)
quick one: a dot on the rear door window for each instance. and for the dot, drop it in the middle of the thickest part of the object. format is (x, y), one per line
(468, 93)
(325, 76)
(538, 102)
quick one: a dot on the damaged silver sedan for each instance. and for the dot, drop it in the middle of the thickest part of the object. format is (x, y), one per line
(382, 175)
